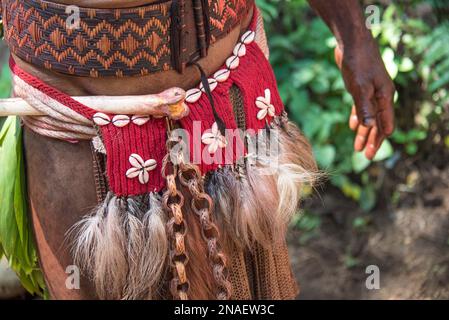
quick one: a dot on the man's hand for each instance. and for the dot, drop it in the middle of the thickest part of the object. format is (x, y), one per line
(364, 74)
(365, 77)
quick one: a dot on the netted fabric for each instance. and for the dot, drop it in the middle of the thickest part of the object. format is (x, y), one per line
(273, 278)
(99, 165)
(262, 274)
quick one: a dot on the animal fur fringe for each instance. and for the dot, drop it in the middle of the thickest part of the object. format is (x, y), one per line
(257, 202)
(123, 247)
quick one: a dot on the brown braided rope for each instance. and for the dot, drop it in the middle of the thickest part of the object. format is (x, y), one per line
(172, 201)
(202, 204)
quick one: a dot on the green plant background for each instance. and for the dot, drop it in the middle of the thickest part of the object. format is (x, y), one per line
(415, 50)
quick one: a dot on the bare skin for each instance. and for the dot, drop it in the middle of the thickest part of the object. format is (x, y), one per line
(365, 76)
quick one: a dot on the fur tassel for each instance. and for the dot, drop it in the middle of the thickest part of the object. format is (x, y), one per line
(86, 236)
(122, 247)
(135, 244)
(111, 266)
(152, 266)
(258, 205)
(297, 167)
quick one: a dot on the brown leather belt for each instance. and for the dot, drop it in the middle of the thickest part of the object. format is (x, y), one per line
(134, 41)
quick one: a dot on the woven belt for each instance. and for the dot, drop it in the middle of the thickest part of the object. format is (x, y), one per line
(118, 42)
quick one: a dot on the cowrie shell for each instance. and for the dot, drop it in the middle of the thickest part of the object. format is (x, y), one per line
(232, 62)
(239, 50)
(140, 120)
(248, 37)
(136, 160)
(132, 172)
(150, 164)
(212, 85)
(120, 120)
(222, 75)
(101, 119)
(193, 95)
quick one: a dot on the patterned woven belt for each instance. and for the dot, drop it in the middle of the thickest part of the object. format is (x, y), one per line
(118, 42)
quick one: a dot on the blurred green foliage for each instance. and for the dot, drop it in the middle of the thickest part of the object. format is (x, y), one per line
(5, 81)
(16, 237)
(414, 43)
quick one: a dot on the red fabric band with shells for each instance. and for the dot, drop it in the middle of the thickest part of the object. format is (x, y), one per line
(136, 144)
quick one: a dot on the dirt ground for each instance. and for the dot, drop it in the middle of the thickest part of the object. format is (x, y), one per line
(409, 242)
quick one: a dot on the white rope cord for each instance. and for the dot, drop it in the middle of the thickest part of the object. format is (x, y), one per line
(54, 124)
(60, 121)
(54, 133)
(46, 104)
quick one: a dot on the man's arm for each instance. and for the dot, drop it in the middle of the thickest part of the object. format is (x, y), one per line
(363, 72)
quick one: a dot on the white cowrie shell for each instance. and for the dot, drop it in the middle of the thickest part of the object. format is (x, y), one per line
(136, 161)
(232, 62)
(133, 172)
(212, 85)
(140, 120)
(239, 50)
(222, 75)
(120, 120)
(150, 164)
(101, 119)
(144, 177)
(193, 95)
(248, 37)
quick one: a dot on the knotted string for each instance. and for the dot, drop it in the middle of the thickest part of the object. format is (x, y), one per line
(220, 123)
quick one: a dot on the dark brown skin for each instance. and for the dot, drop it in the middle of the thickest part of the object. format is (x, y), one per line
(364, 74)
(61, 190)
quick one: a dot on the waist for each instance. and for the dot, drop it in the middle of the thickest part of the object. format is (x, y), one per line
(117, 42)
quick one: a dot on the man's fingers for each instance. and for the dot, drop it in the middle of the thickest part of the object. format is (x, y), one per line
(353, 120)
(366, 106)
(361, 138)
(385, 118)
(384, 99)
(373, 143)
(338, 54)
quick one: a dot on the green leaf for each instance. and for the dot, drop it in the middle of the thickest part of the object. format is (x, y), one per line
(360, 223)
(16, 238)
(368, 198)
(406, 65)
(435, 85)
(390, 64)
(350, 261)
(411, 148)
(5, 82)
(359, 162)
(8, 161)
(385, 151)
(325, 155)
